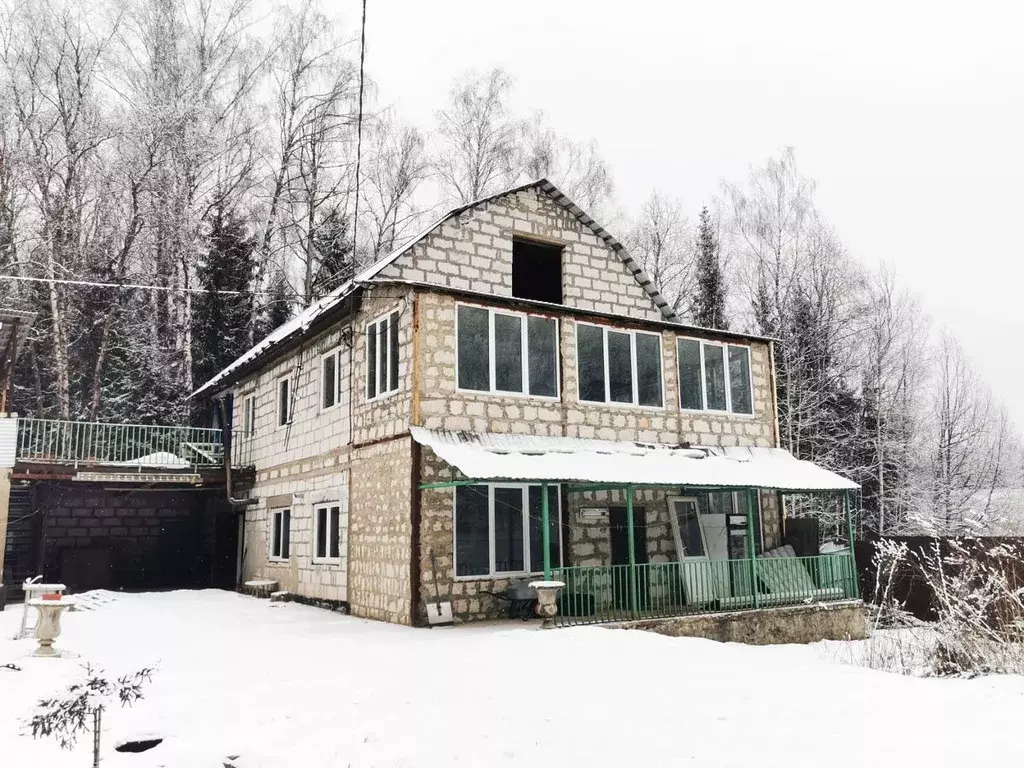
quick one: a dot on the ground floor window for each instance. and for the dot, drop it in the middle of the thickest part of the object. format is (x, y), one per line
(499, 529)
(280, 534)
(327, 534)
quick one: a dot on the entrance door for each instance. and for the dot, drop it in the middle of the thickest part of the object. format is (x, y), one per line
(699, 585)
(621, 577)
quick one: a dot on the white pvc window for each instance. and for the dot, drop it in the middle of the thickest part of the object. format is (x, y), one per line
(329, 372)
(502, 352)
(714, 377)
(382, 356)
(499, 529)
(327, 533)
(616, 366)
(280, 534)
(285, 401)
(249, 415)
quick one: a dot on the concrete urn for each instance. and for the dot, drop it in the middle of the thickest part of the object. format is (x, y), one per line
(547, 600)
(48, 624)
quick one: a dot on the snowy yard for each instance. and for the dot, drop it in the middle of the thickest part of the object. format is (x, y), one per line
(288, 685)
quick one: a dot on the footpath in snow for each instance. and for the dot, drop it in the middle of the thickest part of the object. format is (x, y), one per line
(288, 685)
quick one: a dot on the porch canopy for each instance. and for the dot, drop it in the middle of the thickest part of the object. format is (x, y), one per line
(491, 456)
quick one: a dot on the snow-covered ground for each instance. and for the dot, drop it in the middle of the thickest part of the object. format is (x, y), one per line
(288, 685)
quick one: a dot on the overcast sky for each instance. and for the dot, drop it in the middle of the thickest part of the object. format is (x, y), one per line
(910, 116)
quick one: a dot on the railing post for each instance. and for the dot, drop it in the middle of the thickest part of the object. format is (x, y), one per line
(630, 544)
(749, 495)
(545, 514)
(852, 564)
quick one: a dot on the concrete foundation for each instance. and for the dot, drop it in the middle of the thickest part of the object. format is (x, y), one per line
(769, 626)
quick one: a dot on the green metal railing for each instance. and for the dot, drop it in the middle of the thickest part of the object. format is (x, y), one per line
(128, 445)
(610, 593)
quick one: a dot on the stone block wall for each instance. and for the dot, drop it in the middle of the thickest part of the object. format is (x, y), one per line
(125, 539)
(353, 419)
(380, 532)
(300, 486)
(474, 252)
(442, 406)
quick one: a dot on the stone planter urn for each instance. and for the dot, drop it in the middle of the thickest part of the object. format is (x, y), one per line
(547, 600)
(48, 623)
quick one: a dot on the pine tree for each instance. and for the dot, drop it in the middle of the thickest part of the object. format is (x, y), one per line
(334, 262)
(222, 315)
(709, 301)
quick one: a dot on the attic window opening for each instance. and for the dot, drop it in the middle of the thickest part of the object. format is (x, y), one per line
(536, 271)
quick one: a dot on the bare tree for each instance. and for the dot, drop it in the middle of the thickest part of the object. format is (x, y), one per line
(661, 240)
(396, 169)
(480, 138)
(576, 168)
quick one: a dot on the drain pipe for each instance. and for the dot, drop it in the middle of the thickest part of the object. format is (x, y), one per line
(226, 431)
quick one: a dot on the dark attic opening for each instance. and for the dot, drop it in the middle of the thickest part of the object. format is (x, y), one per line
(536, 271)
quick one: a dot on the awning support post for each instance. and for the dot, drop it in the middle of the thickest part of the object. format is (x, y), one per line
(630, 544)
(854, 588)
(545, 516)
(751, 551)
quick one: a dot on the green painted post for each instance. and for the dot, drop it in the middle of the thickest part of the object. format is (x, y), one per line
(633, 601)
(545, 512)
(852, 564)
(750, 544)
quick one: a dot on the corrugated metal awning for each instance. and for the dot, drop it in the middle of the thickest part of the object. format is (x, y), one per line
(490, 456)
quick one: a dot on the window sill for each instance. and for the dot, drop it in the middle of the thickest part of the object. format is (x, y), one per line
(278, 560)
(326, 561)
(607, 404)
(515, 395)
(385, 396)
(498, 576)
(708, 412)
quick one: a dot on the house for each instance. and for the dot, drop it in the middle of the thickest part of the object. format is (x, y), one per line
(508, 396)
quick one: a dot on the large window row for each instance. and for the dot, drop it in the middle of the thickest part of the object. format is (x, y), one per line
(619, 366)
(714, 377)
(499, 529)
(508, 353)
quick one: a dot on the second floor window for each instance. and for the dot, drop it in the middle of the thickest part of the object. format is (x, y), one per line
(284, 401)
(249, 416)
(618, 366)
(329, 380)
(382, 356)
(504, 352)
(714, 377)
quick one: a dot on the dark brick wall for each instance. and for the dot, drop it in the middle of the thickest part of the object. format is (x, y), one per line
(95, 537)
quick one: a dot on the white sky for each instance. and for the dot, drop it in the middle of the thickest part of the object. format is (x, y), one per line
(910, 116)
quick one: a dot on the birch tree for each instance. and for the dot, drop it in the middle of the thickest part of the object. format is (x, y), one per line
(576, 168)
(480, 138)
(661, 241)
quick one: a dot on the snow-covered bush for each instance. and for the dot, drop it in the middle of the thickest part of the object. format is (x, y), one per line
(80, 708)
(979, 600)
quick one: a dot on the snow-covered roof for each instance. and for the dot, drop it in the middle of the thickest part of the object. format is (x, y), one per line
(301, 322)
(488, 456)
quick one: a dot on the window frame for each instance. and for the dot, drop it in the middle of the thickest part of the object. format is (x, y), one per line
(290, 379)
(524, 319)
(275, 542)
(728, 379)
(326, 559)
(380, 394)
(554, 493)
(632, 357)
(336, 354)
(249, 414)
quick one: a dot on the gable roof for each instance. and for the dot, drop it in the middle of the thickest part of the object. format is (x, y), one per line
(299, 324)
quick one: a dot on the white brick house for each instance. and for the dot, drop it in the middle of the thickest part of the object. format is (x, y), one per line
(510, 320)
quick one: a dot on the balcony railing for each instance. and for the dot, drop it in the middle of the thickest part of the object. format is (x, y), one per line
(610, 593)
(120, 445)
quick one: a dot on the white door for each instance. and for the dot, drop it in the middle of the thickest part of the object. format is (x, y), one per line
(698, 579)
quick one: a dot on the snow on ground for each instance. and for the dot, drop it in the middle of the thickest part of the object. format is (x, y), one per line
(288, 685)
